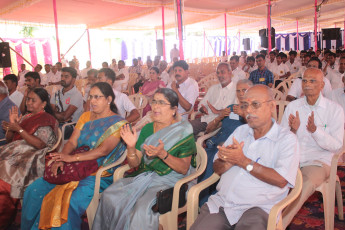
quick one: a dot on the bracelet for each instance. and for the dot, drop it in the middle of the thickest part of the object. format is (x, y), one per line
(78, 158)
(131, 155)
(166, 156)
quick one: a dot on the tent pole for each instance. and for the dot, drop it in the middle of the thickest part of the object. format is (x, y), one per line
(239, 43)
(89, 44)
(297, 36)
(269, 26)
(163, 27)
(56, 30)
(179, 22)
(315, 26)
(205, 42)
(226, 35)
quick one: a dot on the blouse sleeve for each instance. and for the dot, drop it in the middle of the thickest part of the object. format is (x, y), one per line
(85, 117)
(46, 134)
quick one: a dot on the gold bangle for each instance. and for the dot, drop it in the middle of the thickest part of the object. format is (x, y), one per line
(131, 155)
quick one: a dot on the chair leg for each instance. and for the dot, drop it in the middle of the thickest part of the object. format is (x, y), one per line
(328, 206)
(339, 200)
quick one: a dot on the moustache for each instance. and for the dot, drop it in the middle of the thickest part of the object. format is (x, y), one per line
(307, 88)
(251, 116)
(177, 75)
(63, 82)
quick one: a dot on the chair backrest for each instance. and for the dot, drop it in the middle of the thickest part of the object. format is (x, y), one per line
(140, 101)
(58, 140)
(279, 112)
(22, 89)
(51, 89)
(277, 94)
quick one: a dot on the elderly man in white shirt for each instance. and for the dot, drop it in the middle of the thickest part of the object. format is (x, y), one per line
(237, 72)
(83, 73)
(217, 98)
(54, 76)
(319, 125)
(187, 89)
(257, 166)
(122, 77)
(164, 76)
(335, 75)
(21, 75)
(296, 92)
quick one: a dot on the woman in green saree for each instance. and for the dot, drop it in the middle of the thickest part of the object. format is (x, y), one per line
(163, 153)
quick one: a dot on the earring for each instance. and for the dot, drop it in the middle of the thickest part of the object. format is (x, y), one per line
(108, 103)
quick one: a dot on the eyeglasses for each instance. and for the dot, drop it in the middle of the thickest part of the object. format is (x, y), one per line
(159, 102)
(253, 105)
(95, 96)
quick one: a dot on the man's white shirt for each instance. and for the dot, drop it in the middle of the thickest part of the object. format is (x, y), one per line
(189, 89)
(280, 70)
(16, 97)
(335, 78)
(294, 67)
(118, 84)
(318, 147)
(238, 74)
(238, 190)
(219, 98)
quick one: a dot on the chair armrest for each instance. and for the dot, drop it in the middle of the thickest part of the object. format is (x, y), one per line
(64, 127)
(193, 198)
(58, 141)
(102, 169)
(278, 207)
(203, 138)
(119, 172)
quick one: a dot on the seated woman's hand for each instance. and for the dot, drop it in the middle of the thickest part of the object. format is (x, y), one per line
(158, 151)
(13, 115)
(55, 167)
(14, 127)
(60, 157)
(129, 137)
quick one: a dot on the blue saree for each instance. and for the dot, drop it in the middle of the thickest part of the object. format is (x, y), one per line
(92, 134)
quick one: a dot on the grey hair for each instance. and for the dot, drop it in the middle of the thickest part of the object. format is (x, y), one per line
(245, 81)
(3, 89)
(226, 64)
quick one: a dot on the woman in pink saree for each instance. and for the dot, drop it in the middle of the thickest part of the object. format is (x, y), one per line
(151, 86)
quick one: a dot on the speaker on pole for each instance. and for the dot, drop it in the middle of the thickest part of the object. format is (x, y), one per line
(331, 34)
(159, 47)
(5, 58)
(264, 38)
(246, 43)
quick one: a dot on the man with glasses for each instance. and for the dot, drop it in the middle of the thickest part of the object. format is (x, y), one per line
(257, 165)
(319, 125)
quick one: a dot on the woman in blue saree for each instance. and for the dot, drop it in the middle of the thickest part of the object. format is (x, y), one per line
(163, 153)
(50, 206)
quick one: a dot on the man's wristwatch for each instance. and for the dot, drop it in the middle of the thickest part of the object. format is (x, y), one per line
(250, 166)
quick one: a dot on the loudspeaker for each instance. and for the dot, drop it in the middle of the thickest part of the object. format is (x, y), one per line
(264, 39)
(264, 42)
(263, 32)
(5, 58)
(246, 44)
(331, 34)
(159, 47)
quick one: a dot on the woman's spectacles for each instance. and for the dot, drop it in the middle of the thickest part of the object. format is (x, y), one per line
(95, 96)
(159, 102)
(253, 105)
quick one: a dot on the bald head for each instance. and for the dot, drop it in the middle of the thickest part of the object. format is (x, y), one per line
(258, 106)
(262, 91)
(312, 84)
(317, 73)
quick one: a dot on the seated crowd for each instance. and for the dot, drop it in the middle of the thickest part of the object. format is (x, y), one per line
(256, 157)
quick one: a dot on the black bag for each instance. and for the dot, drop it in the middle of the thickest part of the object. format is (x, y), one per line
(164, 199)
